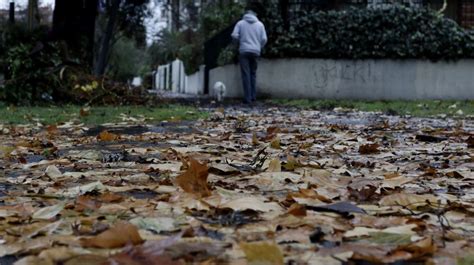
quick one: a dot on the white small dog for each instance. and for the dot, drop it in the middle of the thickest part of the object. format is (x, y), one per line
(219, 91)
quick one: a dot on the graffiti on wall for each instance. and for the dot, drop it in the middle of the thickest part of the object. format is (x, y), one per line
(357, 71)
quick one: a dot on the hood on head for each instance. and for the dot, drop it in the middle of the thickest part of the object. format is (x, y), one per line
(250, 18)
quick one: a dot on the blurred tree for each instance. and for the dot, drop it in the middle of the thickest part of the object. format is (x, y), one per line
(75, 22)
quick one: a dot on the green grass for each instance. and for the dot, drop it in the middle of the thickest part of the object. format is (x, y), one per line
(420, 108)
(96, 115)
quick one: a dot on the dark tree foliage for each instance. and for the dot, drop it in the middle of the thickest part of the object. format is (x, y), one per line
(74, 22)
(127, 17)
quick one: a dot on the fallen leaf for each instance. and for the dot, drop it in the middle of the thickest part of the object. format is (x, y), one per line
(84, 112)
(275, 165)
(275, 143)
(89, 259)
(297, 210)
(78, 190)
(366, 231)
(157, 224)
(107, 136)
(254, 139)
(84, 202)
(430, 138)
(109, 197)
(470, 142)
(121, 234)
(339, 207)
(49, 212)
(412, 201)
(52, 129)
(194, 180)
(53, 172)
(262, 253)
(368, 149)
(252, 203)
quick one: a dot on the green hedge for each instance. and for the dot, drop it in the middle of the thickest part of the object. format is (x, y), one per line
(396, 33)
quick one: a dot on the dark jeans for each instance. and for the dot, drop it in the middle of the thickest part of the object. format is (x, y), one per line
(248, 68)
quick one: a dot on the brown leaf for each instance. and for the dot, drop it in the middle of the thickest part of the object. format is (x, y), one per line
(119, 235)
(308, 193)
(470, 142)
(107, 136)
(52, 129)
(194, 180)
(412, 201)
(367, 149)
(297, 210)
(109, 197)
(85, 202)
(138, 258)
(88, 259)
(84, 112)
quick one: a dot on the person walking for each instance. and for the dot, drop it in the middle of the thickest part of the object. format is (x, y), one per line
(250, 33)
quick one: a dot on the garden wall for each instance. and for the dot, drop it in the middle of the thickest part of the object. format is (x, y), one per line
(355, 79)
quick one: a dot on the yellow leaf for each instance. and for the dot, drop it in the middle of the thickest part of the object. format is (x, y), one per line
(275, 144)
(275, 165)
(5, 151)
(262, 253)
(254, 139)
(107, 136)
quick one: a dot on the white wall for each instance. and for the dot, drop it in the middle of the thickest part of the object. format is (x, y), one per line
(173, 77)
(351, 79)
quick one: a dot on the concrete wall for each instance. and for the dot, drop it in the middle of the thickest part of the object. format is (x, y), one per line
(173, 77)
(195, 82)
(351, 79)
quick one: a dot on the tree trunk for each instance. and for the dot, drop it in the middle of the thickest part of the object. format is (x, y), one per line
(101, 64)
(33, 14)
(175, 15)
(12, 13)
(74, 22)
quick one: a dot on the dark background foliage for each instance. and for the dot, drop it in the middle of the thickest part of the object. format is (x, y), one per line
(395, 33)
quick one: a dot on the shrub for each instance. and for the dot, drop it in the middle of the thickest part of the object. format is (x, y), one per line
(397, 33)
(32, 75)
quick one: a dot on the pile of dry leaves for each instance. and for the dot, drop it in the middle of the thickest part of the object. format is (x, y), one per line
(265, 186)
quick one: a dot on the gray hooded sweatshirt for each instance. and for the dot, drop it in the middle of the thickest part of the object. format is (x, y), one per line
(251, 34)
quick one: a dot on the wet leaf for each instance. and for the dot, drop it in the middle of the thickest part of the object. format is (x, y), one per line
(339, 207)
(430, 138)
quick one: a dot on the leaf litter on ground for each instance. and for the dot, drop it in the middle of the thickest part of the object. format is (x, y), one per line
(250, 186)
